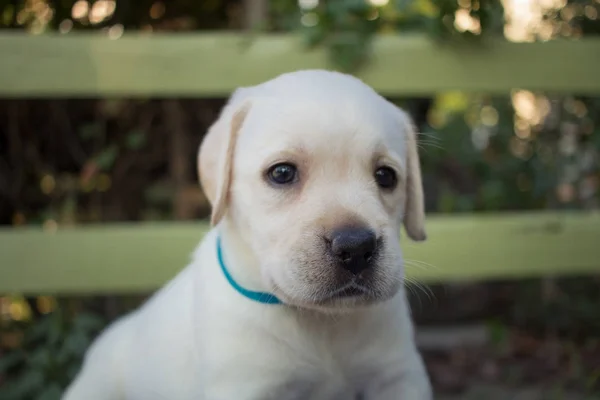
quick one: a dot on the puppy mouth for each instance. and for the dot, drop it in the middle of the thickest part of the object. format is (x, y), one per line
(350, 292)
(353, 289)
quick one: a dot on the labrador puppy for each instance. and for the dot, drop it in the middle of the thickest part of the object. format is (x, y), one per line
(297, 291)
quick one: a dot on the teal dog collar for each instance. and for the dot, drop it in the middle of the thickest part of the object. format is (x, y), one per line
(261, 297)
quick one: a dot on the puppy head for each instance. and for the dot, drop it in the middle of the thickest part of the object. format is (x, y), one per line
(316, 172)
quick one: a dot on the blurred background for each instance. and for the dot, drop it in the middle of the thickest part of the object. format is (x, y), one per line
(67, 162)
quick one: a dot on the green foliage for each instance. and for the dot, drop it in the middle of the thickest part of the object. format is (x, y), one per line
(49, 357)
(480, 163)
(107, 157)
(568, 307)
(136, 139)
(346, 28)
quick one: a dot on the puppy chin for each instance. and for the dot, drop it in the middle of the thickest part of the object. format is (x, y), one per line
(340, 304)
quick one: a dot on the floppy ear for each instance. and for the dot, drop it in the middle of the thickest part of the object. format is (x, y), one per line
(414, 208)
(215, 156)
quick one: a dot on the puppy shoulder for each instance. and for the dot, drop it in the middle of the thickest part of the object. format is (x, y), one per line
(110, 352)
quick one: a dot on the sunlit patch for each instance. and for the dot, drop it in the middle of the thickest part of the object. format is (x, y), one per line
(522, 128)
(520, 148)
(103, 183)
(308, 4)
(47, 184)
(46, 304)
(463, 21)
(50, 226)
(378, 3)
(489, 116)
(16, 309)
(591, 12)
(18, 219)
(101, 10)
(157, 10)
(80, 9)
(115, 31)
(309, 19)
(65, 26)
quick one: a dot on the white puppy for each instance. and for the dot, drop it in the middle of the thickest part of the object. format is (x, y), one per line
(297, 291)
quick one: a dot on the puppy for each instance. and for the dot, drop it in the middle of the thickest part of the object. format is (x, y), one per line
(297, 291)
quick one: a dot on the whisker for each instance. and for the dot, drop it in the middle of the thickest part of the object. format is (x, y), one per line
(412, 291)
(426, 290)
(429, 136)
(424, 145)
(419, 264)
(430, 140)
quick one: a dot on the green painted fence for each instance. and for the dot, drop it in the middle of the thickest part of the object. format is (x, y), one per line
(140, 257)
(214, 64)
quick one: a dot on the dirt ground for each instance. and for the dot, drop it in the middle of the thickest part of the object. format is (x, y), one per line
(465, 364)
(500, 392)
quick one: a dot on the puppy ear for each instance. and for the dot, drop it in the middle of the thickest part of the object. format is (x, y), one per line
(216, 153)
(414, 208)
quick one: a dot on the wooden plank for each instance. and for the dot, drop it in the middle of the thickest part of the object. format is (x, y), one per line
(213, 64)
(141, 257)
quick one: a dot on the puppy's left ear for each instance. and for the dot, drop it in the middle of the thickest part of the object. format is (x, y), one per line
(414, 208)
(216, 154)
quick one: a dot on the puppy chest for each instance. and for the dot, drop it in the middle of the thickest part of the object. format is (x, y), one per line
(326, 377)
(327, 385)
(288, 373)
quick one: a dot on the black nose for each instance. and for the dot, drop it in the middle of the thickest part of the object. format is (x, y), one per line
(354, 247)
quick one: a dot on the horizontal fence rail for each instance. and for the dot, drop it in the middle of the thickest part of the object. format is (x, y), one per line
(213, 64)
(141, 257)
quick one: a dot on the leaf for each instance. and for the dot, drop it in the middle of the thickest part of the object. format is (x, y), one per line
(136, 139)
(593, 379)
(464, 203)
(62, 355)
(106, 159)
(10, 360)
(40, 330)
(21, 388)
(112, 107)
(90, 131)
(52, 392)
(76, 343)
(424, 8)
(72, 370)
(56, 330)
(88, 322)
(446, 200)
(314, 36)
(498, 332)
(7, 15)
(357, 6)
(41, 358)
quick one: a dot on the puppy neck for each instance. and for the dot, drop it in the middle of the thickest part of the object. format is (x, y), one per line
(239, 258)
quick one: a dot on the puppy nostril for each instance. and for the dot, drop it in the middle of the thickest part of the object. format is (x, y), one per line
(368, 256)
(346, 257)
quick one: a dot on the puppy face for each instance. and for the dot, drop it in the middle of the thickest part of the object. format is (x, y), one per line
(317, 173)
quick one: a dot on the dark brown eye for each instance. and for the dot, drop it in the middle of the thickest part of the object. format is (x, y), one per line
(386, 178)
(282, 174)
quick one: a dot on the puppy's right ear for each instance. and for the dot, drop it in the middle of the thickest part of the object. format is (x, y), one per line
(414, 208)
(414, 217)
(216, 154)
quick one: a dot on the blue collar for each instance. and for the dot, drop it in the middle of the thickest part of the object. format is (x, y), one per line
(261, 297)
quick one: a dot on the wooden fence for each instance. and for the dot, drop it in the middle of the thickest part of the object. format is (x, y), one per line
(139, 257)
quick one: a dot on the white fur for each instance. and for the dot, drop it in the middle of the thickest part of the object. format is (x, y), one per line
(198, 339)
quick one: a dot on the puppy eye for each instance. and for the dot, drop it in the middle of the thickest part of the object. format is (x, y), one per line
(386, 178)
(282, 174)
